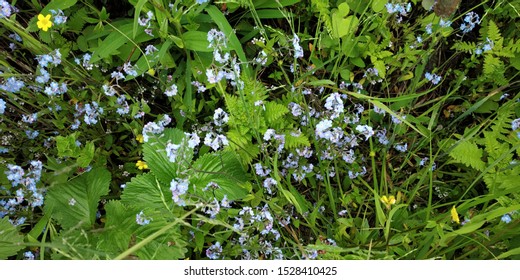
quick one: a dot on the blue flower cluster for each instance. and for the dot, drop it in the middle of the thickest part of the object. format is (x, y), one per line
(23, 189)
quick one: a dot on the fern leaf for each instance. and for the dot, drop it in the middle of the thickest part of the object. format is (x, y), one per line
(493, 32)
(469, 154)
(296, 141)
(77, 20)
(274, 111)
(468, 47)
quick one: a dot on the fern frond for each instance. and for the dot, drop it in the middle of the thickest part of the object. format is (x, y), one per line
(274, 111)
(468, 47)
(469, 154)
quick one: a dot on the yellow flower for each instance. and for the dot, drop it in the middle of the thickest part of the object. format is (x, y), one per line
(44, 22)
(388, 201)
(141, 165)
(139, 138)
(454, 215)
(151, 71)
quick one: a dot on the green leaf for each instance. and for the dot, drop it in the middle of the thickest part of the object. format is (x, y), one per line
(119, 36)
(10, 239)
(58, 5)
(223, 168)
(273, 4)
(119, 226)
(196, 41)
(469, 154)
(137, 13)
(145, 191)
(67, 146)
(428, 4)
(378, 5)
(86, 155)
(75, 203)
(156, 158)
(274, 111)
(342, 24)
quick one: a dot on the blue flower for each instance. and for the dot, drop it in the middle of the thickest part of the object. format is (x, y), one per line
(31, 134)
(5, 9)
(2, 106)
(506, 219)
(28, 255)
(141, 219)
(214, 251)
(12, 85)
(434, 78)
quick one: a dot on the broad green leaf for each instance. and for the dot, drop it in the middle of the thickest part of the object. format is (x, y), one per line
(428, 4)
(58, 5)
(145, 191)
(119, 36)
(119, 225)
(196, 41)
(10, 239)
(378, 5)
(156, 158)
(223, 168)
(170, 245)
(343, 25)
(75, 203)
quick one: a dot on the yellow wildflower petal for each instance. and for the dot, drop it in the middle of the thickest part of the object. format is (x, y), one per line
(141, 165)
(388, 201)
(455, 215)
(44, 22)
(139, 138)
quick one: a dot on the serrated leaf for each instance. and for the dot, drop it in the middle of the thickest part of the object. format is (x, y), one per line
(67, 146)
(223, 168)
(469, 154)
(169, 246)
(86, 155)
(145, 191)
(118, 227)
(157, 160)
(75, 203)
(296, 141)
(274, 111)
(9, 239)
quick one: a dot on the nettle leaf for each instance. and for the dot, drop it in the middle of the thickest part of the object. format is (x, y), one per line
(223, 168)
(145, 191)
(9, 239)
(75, 202)
(159, 163)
